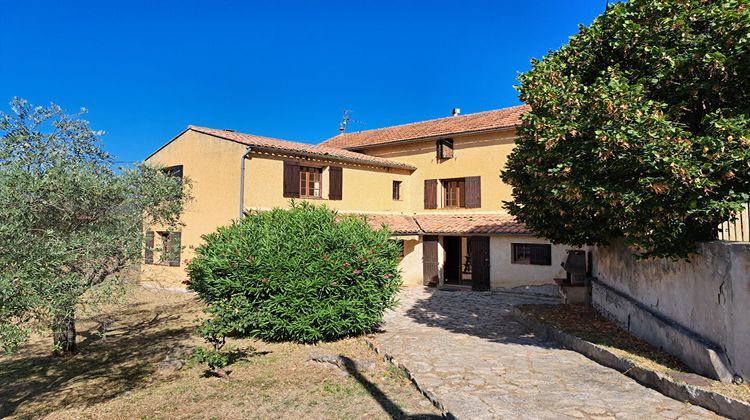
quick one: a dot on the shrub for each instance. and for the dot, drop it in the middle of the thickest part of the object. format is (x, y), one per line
(640, 128)
(302, 274)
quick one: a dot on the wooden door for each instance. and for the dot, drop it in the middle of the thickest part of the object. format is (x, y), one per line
(480, 263)
(430, 263)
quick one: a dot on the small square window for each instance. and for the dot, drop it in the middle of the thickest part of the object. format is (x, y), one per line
(445, 149)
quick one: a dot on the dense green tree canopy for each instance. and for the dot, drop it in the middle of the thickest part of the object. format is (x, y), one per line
(70, 221)
(640, 128)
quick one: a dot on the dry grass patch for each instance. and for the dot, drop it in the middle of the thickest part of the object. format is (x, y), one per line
(116, 376)
(588, 324)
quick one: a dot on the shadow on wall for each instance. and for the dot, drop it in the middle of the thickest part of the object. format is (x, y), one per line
(487, 315)
(49, 382)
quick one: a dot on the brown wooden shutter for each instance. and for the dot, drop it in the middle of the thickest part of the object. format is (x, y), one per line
(444, 148)
(430, 193)
(473, 192)
(148, 255)
(174, 241)
(430, 263)
(291, 179)
(335, 192)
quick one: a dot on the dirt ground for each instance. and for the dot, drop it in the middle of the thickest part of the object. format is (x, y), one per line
(116, 375)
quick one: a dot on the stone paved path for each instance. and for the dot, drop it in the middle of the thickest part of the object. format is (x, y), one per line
(467, 350)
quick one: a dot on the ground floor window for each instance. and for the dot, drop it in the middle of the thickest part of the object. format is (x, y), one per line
(168, 249)
(534, 254)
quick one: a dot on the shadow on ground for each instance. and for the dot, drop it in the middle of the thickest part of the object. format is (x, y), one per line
(124, 359)
(390, 407)
(486, 315)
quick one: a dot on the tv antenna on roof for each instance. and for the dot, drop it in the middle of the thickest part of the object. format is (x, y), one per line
(344, 121)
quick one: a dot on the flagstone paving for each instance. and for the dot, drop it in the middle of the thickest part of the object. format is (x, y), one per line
(466, 349)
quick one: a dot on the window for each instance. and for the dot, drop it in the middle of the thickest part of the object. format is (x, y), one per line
(397, 190)
(454, 195)
(444, 148)
(173, 171)
(533, 254)
(169, 248)
(309, 182)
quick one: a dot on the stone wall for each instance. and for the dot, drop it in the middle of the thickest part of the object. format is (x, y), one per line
(697, 310)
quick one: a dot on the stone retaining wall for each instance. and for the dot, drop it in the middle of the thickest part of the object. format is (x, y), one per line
(697, 310)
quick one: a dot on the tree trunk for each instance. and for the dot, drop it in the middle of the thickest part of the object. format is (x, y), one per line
(64, 335)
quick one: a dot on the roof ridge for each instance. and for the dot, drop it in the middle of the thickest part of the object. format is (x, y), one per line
(453, 117)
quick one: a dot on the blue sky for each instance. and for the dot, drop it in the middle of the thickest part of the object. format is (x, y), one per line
(147, 69)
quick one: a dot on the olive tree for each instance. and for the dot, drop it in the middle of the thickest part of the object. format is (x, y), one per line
(639, 128)
(71, 222)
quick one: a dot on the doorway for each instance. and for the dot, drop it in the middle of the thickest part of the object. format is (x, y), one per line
(457, 268)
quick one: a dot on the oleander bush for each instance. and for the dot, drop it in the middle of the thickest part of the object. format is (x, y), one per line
(303, 274)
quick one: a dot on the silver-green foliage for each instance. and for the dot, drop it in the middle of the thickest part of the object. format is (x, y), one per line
(70, 221)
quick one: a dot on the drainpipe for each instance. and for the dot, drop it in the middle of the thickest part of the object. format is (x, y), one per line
(242, 181)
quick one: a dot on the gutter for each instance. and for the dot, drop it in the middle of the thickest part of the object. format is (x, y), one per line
(242, 180)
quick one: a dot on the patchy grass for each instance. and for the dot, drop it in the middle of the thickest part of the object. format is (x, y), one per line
(588, 324)
(116, 376)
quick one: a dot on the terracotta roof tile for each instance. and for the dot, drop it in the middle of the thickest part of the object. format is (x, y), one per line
(397, 223)
(292, 147)
(481, 121)
(488, 224)
(470, 223)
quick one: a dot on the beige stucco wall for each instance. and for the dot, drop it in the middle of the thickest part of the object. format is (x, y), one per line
(364, 189)
(503, 273)
(411, 265)
(481, 155)
(213, 167)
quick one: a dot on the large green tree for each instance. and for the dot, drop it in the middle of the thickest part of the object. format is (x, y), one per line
(639, 128)
(71, 222)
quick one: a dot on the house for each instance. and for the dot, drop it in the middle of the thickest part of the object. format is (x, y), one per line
(435, 183)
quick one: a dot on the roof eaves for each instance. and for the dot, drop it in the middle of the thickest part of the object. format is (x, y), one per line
(432, 137)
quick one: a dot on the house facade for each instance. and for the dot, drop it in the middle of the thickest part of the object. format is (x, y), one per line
(436, 184)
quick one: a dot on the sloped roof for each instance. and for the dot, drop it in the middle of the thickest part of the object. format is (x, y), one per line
(462, 124)
(459, 224)
(295, 148)
(397, 223)
(470, 224)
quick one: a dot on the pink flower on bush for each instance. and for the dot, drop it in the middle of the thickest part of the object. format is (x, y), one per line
(346, 264)
(363, 259)
(333, 283)
(356, 272)
(387, 276)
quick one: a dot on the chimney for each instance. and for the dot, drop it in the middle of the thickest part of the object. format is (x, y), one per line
(456, 111)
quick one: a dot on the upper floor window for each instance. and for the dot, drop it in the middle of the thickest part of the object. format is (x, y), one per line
(173, 171)
(454, 193)
(445, 148)
(534, 254)
(310, 185)
(397, 190)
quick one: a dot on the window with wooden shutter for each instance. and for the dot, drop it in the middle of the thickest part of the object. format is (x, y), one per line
(444, 148)
(335, 174)
(291, 179)
(310, 182)
(148, 254)
(533, 254)
(454, 193)
(473, 192)
(397, 190)
(430, 193)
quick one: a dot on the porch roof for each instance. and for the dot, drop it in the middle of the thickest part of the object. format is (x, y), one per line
(470, 224)
(458, 224)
